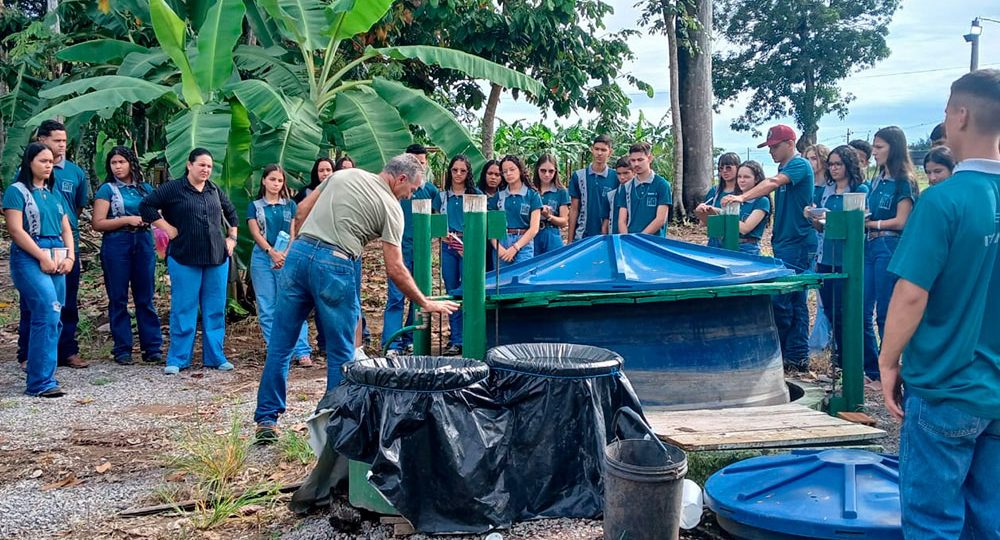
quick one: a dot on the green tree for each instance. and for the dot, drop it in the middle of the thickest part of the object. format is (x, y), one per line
(559, 42)
(791, 56)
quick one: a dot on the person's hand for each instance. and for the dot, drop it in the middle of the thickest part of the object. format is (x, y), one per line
(439, 306)
(701, 209)
(731, 199)
(507, 254)
(278, 258)
(892, 391)
(171, 231)
(805, 212)
(133, 221)
(65, 266)
(48, 265)
(546, 211)
(230, 245)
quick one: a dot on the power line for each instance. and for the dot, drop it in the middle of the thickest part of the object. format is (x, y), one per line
(917, 72)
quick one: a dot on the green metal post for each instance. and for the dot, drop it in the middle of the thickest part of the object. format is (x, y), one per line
(422, 267)
(474, 277)
(726, 227)
(849, 226)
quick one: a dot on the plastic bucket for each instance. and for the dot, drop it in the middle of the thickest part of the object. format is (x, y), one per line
(643, 485)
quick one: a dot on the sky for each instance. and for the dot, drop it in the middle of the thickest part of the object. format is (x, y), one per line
(908, 89)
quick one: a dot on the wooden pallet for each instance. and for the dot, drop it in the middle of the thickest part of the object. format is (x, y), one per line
(772, 426)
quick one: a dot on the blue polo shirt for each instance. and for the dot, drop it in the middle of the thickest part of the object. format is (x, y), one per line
(642, 199)
(426, 191)
(592, 189)
(951, 249)
(132, 195)
(452, 205)
(518, 206)
(555, 199)
(791, 228)
(747, 208)
(71, 181)
(277, 217)
(832, 253)
(714, 197)
(885, 195)
(51, 209)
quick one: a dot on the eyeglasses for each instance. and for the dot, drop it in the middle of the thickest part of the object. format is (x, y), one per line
(458, 170)
(833, 164)
(546, 171)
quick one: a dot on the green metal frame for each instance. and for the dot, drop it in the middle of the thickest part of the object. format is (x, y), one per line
(726, 229)
(426, 226)
(850, 227)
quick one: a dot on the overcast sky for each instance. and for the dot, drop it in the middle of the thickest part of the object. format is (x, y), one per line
(909, 89)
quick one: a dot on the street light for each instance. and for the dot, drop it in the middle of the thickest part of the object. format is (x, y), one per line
(973, 38)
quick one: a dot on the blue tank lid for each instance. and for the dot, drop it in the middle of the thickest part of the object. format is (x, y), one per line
(633, 262)
(828, 494)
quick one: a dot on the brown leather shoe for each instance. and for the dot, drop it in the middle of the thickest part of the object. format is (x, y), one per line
(74, 361)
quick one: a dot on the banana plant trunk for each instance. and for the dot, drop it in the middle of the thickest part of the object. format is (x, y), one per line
(489, 119)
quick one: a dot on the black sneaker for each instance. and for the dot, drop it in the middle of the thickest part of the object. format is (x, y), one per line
(124, 360)
(155, 358)
(266, 434)
(53, 392)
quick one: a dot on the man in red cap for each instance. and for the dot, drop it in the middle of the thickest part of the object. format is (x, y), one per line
(792, 238)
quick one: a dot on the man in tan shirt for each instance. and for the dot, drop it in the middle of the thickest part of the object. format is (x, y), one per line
(349, 209)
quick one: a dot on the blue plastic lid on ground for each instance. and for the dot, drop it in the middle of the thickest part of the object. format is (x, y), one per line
(828, 494)
(632, 262)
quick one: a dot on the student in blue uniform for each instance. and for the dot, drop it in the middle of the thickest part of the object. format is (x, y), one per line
(792, 239)
(945, 312)
(863, 151)
(754, 212)
(623, 170)
(392, 319)
(893, 194)
(490, 183)
(268, 216)
(128, 257)
(938, 164)
(37, 222)
(845, 177)
(729, 163)
(555, 205)
(70, 181)
(457, 184)
(643, 205)
(588, 188)
(523, 207)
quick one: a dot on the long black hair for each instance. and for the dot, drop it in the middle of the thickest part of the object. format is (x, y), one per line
(942, 156)
(24, 174)
(284, 183)
(852, 168)
(469, 186)
(134, 169)
(339, 164)
(898, 165)
(482, 177)
(520, 169)
(314, 179)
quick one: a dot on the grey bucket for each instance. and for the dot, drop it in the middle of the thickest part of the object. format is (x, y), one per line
(643, 484)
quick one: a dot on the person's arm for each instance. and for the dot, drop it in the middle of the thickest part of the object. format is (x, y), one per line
(307, 204)
(562, 219)
(574, 214)
(751, 222)
(897, 223)
(15, 228)
(533, 225)
(399, 275)
(229, 212)
(66, 265)
(906, 309)
(762, 189)
(82, 193)
(658, 221)
(622, 219)
(102, 223)
(150, 209)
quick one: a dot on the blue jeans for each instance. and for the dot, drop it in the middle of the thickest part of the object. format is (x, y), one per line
(791, 314)
(365, 334)
(129, 261)
(313, 277)
(748, 248)
(524, 254)
(949, 463)
(43, 295)
(879, 283)
(67, 344)
(191, 288)
(715, 242)
(392, 319)
(451, 272)
(265, 288)
(831, 295)
(547, 239)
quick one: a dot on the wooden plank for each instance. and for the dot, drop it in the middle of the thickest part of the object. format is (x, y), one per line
(392, 520)
(403, 529)
(857, 418)
(769, 426)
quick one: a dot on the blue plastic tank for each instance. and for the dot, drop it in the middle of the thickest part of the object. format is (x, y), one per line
(682, 354)
(828, 494)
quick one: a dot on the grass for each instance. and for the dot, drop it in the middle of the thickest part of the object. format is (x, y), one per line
(102, 381)
(294, 448)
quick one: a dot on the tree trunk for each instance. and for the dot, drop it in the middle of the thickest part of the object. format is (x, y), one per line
(695, 74)
(52, 5)
(669, 21)
(490, 118)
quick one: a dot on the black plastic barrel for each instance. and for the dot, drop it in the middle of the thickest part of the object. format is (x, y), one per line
(562, 399)
(643, 485)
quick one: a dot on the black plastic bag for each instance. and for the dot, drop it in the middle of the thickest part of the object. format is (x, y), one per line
(434, 437)
(563, 399)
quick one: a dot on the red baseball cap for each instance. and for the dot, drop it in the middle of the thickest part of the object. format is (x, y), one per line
(777, 134)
